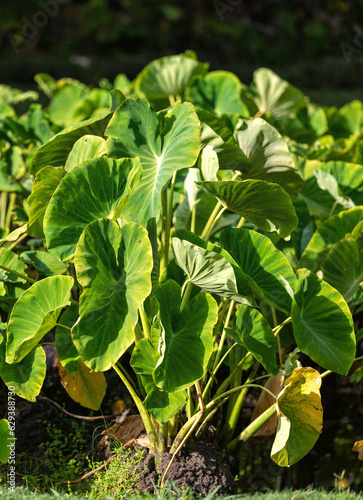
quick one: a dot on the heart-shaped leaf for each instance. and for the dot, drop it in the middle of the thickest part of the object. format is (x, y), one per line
(265, 268)
(207, 266)
(159, 141)
(274, 95)
(27, 376)
(92, 190)
(266, 205)
(218, 92)
(300, 417)
(162, 405)
(255, 334)
(323, 324)
(114, 268)
(35, 314)
(168, 76)
(186, 338)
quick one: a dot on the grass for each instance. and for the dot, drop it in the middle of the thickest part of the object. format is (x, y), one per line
(169, 493)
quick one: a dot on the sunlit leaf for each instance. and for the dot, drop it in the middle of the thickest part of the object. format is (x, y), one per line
(159, 141)
(300, 415)
(43, 262)
(92, 190)
(114, 268)
(207, 267)
(265, 204)
(274, 95)
(218, 92)
(168, 76)
(266, 268)
(35, 313)
(269, 155)
(56, 150)
(46, 182)
(11, 260)
(84, 386)
(87, 147)
(323, 324)
(27, 376)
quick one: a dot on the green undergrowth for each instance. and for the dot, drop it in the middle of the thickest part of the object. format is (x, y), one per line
(169, 493)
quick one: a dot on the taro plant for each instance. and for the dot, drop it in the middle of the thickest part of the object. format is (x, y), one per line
(170, 227)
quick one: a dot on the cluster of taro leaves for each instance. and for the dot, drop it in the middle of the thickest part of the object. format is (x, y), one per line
(197, 226)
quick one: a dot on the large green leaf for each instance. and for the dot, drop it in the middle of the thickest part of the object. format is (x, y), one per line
(269, 155)
(43, 262)
(67, 353)
(323, 324)
(300, 417)
(329, 233)
(168, 76)
(162, 405)
(266, 205)
(92, 190)
(34, 314)
(255, 334)
(159, 140)
(87, 147)
(206, 266)
(46, 182)
(274, 95)
(114, 268)
(186, 338)
(218, 92)
(342, 268)
(11, 260)
(267, 270)
(56, 151)
(27, 376)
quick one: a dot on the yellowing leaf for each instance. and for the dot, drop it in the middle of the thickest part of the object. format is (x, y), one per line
(84, 386)
(358, 446)
(300, 417)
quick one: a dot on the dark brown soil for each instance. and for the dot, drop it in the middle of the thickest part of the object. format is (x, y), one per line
(199, 467)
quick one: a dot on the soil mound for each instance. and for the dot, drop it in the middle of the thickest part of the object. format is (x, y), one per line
(199, 466)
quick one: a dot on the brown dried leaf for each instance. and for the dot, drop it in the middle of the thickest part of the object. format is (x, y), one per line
(268, 429)
(125, 431)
